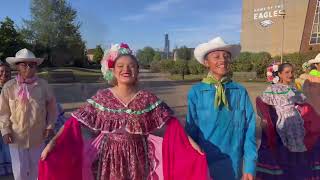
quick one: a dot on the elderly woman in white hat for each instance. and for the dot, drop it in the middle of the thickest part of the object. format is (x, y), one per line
(27, 115)
(220, 115)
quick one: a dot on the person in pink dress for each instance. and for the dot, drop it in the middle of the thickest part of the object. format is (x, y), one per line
(122, 118)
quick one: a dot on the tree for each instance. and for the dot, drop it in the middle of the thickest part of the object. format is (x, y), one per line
(53, 29)
(157, 56)
(145, 56)
(184, 53)
(11, 41)
(97, 54)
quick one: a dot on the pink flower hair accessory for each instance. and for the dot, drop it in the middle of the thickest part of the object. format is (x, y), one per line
(272, 73)
(110, 55)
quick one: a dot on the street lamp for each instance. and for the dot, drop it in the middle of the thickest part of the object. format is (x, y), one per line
(283, 14)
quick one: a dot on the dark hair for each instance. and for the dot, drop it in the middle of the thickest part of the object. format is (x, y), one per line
(129, 55)
(283, 66)
(4, 64)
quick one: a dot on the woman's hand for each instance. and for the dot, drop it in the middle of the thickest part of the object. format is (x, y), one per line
(7, 139)
(195, 145)
(247, 177)
(47, 149)
(264, 124)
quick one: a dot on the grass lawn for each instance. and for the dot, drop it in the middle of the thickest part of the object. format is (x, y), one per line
(63, 75)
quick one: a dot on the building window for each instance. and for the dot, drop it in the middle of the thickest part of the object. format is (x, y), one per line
(315, 33)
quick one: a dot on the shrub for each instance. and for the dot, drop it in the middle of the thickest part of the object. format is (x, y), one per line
(166, 65)
(155, 66)
(259, 62)
(180, 67)
(196, 68)
(297, 59)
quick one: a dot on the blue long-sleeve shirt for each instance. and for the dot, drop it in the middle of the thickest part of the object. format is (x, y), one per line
(227, 136)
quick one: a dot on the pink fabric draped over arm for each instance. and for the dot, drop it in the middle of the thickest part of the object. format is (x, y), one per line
(65, 160)
(72, 157)
(180, 159)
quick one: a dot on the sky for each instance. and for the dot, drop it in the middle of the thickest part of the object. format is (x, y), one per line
(143, 23)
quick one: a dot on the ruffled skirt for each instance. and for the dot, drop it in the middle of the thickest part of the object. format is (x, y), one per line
(123, 157)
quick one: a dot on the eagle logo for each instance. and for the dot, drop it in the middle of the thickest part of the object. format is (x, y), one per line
(266, 23)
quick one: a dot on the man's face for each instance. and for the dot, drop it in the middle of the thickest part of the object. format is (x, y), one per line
(27, 69)
(5, 74)
(218, 63)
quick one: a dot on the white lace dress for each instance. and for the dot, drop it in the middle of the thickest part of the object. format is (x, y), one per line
(290, 123)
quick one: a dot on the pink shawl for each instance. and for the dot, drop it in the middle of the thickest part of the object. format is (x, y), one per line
(72, 157)
(180, 159)
(65, 161)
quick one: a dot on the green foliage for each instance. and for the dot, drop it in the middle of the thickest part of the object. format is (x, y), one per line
(259, 62)
(11, 41)
(145, 56)
(54, 30)
(179, 67)
(297, 59)
(157, 56)
(247, 62)
(98, 54)
(155, 66)
(196, 68)
(166, 65)
(184, 53)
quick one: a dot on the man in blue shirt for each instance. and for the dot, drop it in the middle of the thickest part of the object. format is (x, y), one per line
(220, 115)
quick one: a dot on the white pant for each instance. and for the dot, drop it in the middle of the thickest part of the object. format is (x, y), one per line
(25, 162)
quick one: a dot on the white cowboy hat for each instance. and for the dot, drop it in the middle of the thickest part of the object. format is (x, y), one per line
(214, 45)
(24, 55)
(315, 60)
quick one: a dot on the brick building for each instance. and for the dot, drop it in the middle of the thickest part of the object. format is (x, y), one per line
(265, 28)
(90, 53)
